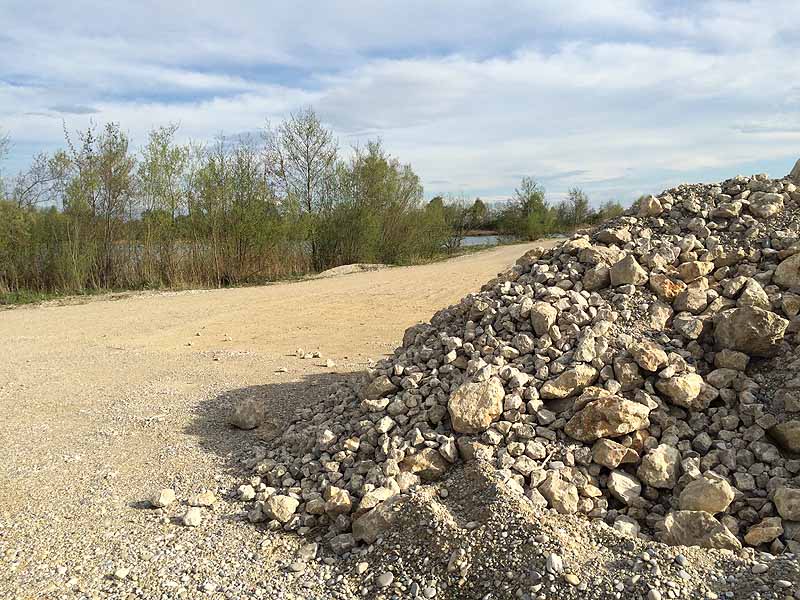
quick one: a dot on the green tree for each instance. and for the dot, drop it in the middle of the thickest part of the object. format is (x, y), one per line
(578, 207)
(301, 156)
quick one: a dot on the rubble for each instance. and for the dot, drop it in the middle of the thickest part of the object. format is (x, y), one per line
(642, 375)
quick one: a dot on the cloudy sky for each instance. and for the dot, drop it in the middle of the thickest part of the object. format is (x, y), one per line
(620, 97)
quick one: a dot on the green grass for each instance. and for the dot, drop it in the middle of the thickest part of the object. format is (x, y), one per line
(21, 297)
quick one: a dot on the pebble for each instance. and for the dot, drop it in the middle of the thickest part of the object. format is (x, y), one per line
(385, 579)
(193, 517)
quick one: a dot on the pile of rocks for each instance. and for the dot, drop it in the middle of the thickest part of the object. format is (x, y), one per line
(643, 375)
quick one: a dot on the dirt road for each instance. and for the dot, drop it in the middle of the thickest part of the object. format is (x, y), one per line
(103, 402)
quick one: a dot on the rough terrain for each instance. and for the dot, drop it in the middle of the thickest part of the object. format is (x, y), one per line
(102, 402)
(640, 379)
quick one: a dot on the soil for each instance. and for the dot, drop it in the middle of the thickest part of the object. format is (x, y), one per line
(103, 402)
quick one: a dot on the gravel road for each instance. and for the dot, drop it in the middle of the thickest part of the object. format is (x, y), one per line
(105, 401)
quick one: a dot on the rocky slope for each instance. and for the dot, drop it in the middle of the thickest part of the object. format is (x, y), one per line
(642, 376)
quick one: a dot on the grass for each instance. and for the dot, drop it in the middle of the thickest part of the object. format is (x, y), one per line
(22, 297)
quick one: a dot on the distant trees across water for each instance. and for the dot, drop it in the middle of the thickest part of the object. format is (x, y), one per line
(98, 215)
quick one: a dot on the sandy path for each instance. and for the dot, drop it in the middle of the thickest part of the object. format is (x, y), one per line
(102, 402)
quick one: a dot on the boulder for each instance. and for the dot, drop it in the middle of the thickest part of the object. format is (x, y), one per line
(281, 508)
(660, 467)
(627, 271)
(787, 275)
(162, 498)
(378, 388)
(683, 390)
(596, 278)
(665, 288)
(694, 269)
(766, 205)
(612, 454)
(648, 355)
(624, 487)
(608, 416)
(697, 528)
(428, 464)
(650, 206)
(708, 494)
(247, 413)
(751, 330)
(787, 435)
(543, 317)
(569, 383)
(474, 405)
(371, 525)
(337, 501)
(560, 494)
(614, 235)
(787, 503)
(764, 531)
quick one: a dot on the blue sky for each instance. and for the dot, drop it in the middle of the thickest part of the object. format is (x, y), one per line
(619, 97)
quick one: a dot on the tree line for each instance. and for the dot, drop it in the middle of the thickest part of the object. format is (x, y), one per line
(529, 215)
(98, 215)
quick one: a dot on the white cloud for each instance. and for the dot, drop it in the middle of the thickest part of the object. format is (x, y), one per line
(624, 94)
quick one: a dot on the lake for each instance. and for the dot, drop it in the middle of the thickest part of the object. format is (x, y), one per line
(480, 240)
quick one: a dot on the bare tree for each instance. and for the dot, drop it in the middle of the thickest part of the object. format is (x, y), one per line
(301, 155)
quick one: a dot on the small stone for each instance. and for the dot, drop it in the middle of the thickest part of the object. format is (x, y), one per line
(162, 498)
(384, 580)
(193, 517)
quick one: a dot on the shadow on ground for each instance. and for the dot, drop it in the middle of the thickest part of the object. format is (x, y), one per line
(280, 400)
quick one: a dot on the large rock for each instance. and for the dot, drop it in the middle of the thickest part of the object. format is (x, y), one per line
(560, 494)
(628, 271)
(697, 528)
(694, 269)
(660, 467)
(378, 388)
(648, 355)
(683, 390)
(787, 274)
(764, 531)
(787, 435)
(608, 416)
(370, 526)
(612, 454)
(543, 317)
(569, 383)
(650, 206)
(474, 405)
(162, 498)
(787, 503)
(665, 288)
(766, 205)
(428, 464)
(624, 487)
(280, 508)
(751, 330)
(247, 413)
(708, 494)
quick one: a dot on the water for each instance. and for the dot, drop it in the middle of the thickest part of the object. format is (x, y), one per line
(480, 240)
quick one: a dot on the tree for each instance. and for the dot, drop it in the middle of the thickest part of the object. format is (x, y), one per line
(578, 207)
(527, 214)
(478, 214)
(301, 155)
(41, 183)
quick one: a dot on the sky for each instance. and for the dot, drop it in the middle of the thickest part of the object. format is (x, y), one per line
(620, 98)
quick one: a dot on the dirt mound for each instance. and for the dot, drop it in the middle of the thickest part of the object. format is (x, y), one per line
(639, 379)
(354, 268)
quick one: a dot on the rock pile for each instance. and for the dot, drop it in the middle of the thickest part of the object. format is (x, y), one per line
(643, 375)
